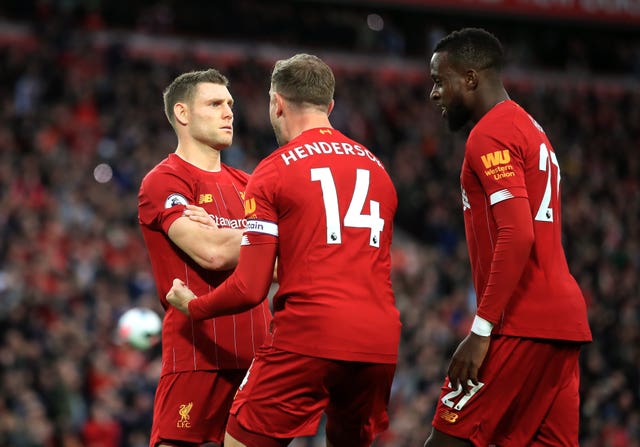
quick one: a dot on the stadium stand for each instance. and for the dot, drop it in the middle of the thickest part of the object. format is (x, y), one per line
(82, 121)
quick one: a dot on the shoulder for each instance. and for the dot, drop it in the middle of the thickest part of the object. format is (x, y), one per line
(170, 165)
(271, 161)
(266, 170)
(266, 177)
(158, 170)
(235, 173)
(504, 125)
(166, 173)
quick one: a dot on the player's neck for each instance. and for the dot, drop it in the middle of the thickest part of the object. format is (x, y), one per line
(489, 100)
(307, 121)
(201, 156)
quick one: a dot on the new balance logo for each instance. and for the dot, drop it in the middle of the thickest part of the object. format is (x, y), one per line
(449, 416)
(205, 198)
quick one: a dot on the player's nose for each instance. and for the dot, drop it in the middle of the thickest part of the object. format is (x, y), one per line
(434, 94)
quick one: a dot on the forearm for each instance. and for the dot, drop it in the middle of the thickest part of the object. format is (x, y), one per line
(510, 256)
(244, 289)
(222, 249)
(210, 247)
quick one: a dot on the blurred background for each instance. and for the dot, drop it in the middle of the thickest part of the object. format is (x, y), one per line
(81, 121)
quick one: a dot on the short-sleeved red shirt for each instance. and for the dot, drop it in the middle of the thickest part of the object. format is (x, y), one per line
(227, 342)
(331, 204)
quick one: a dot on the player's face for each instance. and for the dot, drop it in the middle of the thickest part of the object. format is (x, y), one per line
(211, 115)
(448, 91)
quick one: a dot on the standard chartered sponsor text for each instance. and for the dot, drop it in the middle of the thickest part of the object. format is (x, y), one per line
(225, 222)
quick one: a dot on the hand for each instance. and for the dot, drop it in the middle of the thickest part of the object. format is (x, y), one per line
(200, 215)
(467, 359)
(180, 295)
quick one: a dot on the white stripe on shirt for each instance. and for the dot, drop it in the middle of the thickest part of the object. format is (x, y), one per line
(262, 226)
(499, 196)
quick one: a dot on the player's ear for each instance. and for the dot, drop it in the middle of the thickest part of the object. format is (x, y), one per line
(279, 103)
(471, 79)
(330, 108)
(181, 113)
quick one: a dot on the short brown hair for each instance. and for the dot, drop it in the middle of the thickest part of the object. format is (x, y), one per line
(183, 87)
(304, 78)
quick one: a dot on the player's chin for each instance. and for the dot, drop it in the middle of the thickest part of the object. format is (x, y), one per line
(223, 143)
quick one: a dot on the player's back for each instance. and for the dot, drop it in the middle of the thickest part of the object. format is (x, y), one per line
(335, 205)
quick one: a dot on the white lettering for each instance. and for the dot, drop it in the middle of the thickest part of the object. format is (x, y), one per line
(373, 157)
(286, 158)
(300, 152)
(348, 149)
(311, 148)
(225, 222)
(262, 226)
(336, 148)
(326, 147)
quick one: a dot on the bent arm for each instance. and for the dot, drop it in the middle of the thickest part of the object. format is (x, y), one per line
(244, 289)
(210, 247)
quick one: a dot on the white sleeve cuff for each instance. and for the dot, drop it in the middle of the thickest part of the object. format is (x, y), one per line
(481, 327)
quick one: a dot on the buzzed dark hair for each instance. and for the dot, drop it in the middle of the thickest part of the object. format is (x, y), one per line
(473, 48)
(304, 78)
(183, 87)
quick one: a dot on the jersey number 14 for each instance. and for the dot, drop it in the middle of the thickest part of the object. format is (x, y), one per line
(354, 217)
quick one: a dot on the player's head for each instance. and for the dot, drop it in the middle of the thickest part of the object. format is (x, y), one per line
(198, 105)
(306, 83)
(465, 68)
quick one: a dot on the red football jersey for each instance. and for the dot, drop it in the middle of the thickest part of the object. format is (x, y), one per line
(331, 204)
(508, 155)
(219, 343)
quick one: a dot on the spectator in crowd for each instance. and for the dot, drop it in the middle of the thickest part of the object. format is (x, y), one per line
(72, 258)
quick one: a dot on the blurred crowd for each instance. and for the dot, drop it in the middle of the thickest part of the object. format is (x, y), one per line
(81, 122)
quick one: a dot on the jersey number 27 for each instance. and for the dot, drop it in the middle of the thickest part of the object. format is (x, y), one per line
(547, 160)
(354, 217)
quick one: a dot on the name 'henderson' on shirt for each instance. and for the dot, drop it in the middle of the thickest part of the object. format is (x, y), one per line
(322, 147)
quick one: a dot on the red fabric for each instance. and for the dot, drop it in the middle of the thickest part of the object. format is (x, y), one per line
(204, 397)
(285, 394)
(544, 374)
(508, 156)
(514, 229)
(222, 343)
(334, 298)
(246, 287)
